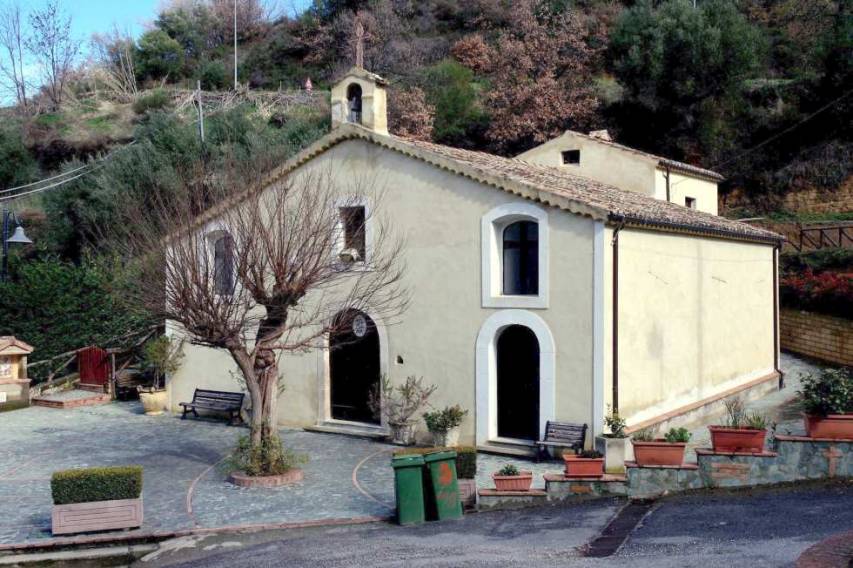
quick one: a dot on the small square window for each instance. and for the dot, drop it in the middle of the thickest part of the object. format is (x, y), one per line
(571, 157)
(690, 202)
(353, 219)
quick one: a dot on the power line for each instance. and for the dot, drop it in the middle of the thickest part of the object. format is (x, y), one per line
(63, 174)
(57, 184)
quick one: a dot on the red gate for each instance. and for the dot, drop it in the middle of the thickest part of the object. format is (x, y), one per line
(94, 366)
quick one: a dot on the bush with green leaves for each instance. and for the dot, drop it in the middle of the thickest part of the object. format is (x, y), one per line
(644, 435)
(444, 420)
(162, 356)
(157, 99)
(590, 454)
(828, 392)
(96, 484)
(677, 436)
(58, 306)
(269, 458)
(616, 424)
(213, 76)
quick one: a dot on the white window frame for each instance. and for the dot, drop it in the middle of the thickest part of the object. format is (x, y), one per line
(364, 263)
(492, 226)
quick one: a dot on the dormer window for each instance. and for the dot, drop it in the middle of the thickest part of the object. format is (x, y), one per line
(354, 103)
(571, 157)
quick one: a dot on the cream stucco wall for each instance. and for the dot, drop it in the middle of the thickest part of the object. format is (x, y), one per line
(682, 186)
(602, 162)
(695, 319)
(439, 215)
(374, 113)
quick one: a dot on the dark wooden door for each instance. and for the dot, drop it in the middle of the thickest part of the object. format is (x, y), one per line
(94, 365)
(354, 368)
(518, 383)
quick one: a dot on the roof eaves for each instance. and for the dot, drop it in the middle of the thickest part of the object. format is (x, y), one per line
(765, 237)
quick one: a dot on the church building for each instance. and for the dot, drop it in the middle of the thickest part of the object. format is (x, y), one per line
(579, 276)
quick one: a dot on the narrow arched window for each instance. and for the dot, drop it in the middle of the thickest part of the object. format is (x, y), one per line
(354, 103)
(223, 265)
(521, 259)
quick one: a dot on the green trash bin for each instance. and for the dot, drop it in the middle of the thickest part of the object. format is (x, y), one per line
(409, 488)
(445, 488)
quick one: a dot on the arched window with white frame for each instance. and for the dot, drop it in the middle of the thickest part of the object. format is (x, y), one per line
(515, 256)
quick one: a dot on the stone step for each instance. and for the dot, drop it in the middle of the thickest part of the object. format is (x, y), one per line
(494, 499)
(350, 429)
(56, 402)
(92, 387)
(559, 487)
(503, 449)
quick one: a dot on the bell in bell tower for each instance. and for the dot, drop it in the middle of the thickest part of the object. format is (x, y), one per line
(360, 97)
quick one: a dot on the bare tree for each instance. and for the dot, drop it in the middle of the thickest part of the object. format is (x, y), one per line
(113, 53)
(260, 274)
(12, 45)
(53, 47)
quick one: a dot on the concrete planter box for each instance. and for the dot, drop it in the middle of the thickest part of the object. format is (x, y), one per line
(833, 426)
(659, 452)
(737, 439)
(447, 439)
(616, 452)
(97, 516)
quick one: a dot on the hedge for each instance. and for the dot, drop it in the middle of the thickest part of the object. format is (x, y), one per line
(96, 484)
(466, 458)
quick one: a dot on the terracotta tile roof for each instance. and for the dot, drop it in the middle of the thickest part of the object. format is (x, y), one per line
(614, 203)
(547, 185)
(10, 344)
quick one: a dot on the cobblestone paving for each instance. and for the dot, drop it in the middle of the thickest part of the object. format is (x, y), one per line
(68, 395)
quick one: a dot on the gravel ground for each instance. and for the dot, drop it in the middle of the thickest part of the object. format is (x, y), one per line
(768, 527)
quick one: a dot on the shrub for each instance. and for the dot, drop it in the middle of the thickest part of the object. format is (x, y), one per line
(757, 421)
(213, 75)
(677, 436)
(644, 435)
(466, 458)
(155, 100)
(161, 356)
(508, 469)
(441, 421)
(827, 292)
(616, 424)
(828, 392)
(268, 458)
(399, 404)
(735, 413)
(96, 484)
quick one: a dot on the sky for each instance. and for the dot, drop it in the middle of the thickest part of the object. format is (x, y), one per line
(91, 16)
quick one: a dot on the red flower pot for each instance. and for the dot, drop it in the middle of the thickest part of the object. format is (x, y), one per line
(658, 452)
(835, 426)
(583, 467)
(520, 482)
(737, 439)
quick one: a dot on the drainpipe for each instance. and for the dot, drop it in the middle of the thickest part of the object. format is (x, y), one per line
(615, 244)
(776, 250)
(666, 175)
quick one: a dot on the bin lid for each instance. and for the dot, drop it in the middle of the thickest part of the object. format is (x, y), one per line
(407, 461)
(440, 455)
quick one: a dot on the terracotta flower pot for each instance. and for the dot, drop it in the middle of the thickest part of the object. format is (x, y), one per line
(520, 482)
(658, 452)
(583, 467)
(737, 439)
(835, 426)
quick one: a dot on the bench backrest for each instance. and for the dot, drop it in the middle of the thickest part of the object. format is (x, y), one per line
(219, 397)
(565, 433)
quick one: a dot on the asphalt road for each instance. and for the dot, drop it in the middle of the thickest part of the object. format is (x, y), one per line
(758, 528)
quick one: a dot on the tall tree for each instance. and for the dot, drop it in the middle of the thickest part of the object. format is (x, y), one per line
(12, 42)
(53, 47)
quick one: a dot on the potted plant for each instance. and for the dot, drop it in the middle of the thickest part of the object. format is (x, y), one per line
(160, 356)
(742, 432)
(268, 465)
(397, 406)
(466, 472)
(509, 478)
(444, 425)
(588, 463)
(827, 400)
(668, 450)
(96, 499)
(612, 445)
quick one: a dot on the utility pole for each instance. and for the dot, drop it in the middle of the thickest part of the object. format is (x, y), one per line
(200, 113)
(235, 45)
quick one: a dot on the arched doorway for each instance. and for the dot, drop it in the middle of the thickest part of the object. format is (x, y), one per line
(517, 359)
(354, 367)
(354, 103)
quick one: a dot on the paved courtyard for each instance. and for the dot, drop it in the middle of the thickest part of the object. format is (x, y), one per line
(185, 483)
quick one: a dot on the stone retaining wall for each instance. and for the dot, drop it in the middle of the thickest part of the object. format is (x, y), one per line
(816, 335)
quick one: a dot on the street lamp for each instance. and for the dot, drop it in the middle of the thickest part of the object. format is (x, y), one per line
(18, 237)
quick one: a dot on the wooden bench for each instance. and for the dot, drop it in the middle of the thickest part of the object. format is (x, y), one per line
(561, 435)
(219, 401)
